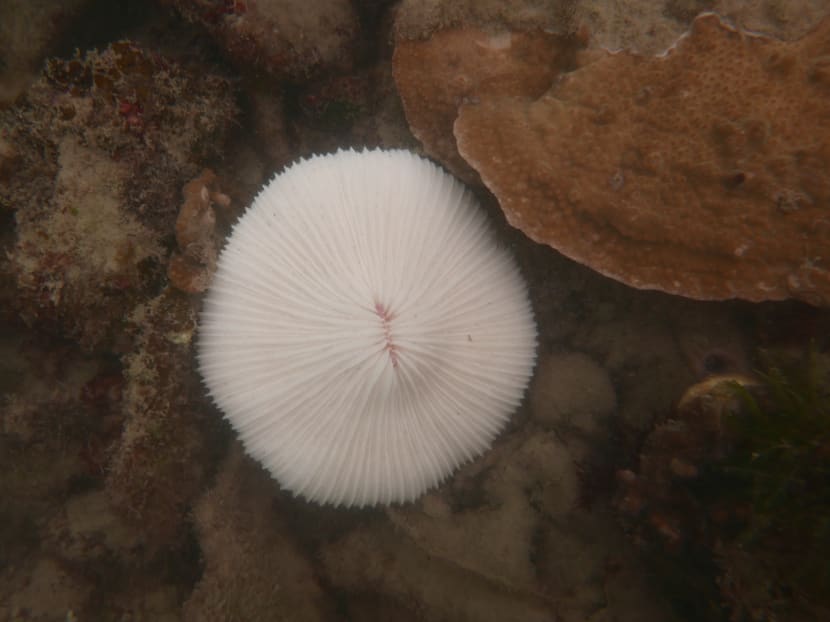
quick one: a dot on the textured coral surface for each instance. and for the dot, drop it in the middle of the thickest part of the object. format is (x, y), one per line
(701, 172)
(460, 65)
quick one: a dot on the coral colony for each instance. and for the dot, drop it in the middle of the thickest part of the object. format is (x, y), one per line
(364, 333)
(607, 163)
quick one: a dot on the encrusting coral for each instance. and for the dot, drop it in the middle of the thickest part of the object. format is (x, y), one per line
(701, 172)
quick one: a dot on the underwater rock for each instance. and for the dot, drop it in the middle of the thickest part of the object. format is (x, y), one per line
(475, 537)
(379, 560)
(358, 108)
(87, 530)
(100, 143)
(253, 568)
(678, 450)
(714, 344)
(670, 172)
(84, 262)
(43, 591)
(64, 547)
(783, 19)
(652, 27)
(730, 494)
(593, 573)
(58, 418)
(494, 538)
(572, 394)
(159, 465)
(638, 348)
(516, 522)
(29, 29)
(270, 126)
(516, 549)
(287, 38)
(421, 20)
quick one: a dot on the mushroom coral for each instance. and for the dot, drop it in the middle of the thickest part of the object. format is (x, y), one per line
(364, 333)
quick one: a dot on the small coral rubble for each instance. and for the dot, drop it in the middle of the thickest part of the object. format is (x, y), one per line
(191, 267)
(701, 172)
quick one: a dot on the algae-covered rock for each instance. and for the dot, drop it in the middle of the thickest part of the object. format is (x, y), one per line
(729, 496)
(287, 38)
(163, 456)
(99, 147)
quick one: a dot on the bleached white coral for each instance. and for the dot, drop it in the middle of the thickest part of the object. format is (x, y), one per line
(364, 333)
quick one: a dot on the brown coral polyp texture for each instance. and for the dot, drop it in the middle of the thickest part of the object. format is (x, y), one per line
(435, 75)
(701, 172)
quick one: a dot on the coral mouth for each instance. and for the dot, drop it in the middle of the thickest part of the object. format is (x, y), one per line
(386, 316)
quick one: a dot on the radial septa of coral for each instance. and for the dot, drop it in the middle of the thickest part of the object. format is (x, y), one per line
(364, 333)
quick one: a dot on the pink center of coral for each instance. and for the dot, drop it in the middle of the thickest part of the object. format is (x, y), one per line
(386, 317)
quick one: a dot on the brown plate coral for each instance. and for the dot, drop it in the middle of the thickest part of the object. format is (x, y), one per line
(700, 172)
(455, 65)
